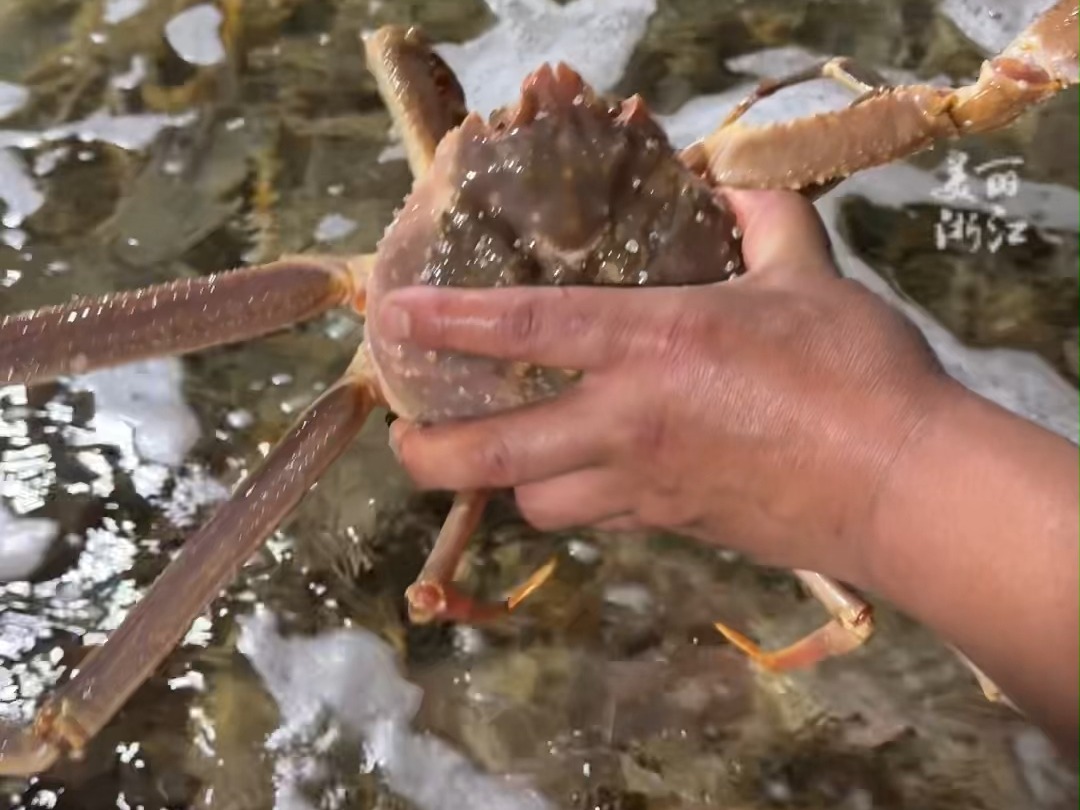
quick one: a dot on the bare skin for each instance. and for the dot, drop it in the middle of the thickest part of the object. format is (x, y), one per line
(789, 414)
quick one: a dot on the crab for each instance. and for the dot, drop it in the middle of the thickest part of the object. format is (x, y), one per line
(565, 186)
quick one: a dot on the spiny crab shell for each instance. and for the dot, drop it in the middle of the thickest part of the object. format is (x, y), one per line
(562, 188)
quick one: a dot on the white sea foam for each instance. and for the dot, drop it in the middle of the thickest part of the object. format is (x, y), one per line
(352, 677)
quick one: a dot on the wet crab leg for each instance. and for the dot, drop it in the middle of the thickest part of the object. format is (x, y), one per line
(842, 70)
(420, 91)
(174, 318)
(891, 122)
(434, 596)
(851, 625)
(208, 561)
(193, 314)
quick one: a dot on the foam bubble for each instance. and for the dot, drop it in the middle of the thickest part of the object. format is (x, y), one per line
(596, 36)
(195, 35)
(24, 542)
(117, 11)
(352, 676)
(19, 194)
(992, 24)
(12, 98)
(140, 409)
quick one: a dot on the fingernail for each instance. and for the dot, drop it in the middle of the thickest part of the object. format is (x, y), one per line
(394, 323)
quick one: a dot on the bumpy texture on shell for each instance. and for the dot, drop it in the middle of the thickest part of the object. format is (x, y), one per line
(563, 188)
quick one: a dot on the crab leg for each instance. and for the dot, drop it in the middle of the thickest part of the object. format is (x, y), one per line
(174, 318)
(433, 595)
(891, 123)
(842, 70)
(208, 561)
(852, 624)
(991, 691)
(420, 91)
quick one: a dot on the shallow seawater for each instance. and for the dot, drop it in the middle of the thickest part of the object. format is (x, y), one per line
(145, 140)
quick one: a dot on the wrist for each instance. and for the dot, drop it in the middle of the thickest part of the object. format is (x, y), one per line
(921, 448)
(973, 534)
(972, 486)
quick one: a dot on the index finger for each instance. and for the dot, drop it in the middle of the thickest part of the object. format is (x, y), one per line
(581, 328)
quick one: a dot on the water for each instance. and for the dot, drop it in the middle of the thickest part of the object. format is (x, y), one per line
(121, 164)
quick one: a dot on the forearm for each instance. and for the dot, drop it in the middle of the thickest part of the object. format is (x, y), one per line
(975, 534)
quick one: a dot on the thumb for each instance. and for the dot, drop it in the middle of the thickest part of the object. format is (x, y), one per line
(783, 235)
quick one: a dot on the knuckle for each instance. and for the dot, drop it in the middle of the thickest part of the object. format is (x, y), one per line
(521, 324)
(495, 461)
(649, 434)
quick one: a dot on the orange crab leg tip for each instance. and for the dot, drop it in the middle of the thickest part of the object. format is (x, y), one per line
(801, 655)
(535, 581)
(828, 641)
(744, 645)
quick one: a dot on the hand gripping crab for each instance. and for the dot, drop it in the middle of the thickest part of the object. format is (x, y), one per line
(563, 187)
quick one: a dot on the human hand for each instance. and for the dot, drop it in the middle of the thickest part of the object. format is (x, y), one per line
(761, 414)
